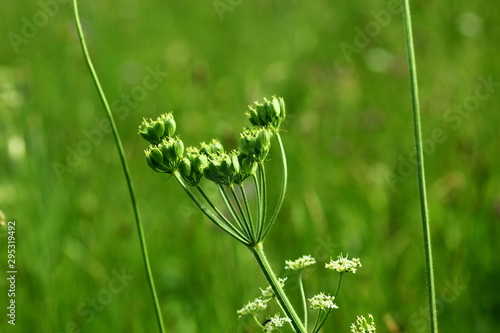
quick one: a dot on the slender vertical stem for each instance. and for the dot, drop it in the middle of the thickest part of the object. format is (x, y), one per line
(420, 167)
(232, 210)
(303, 296)
(244, 219)
(248, 211)
(258, 252)
(126, 171)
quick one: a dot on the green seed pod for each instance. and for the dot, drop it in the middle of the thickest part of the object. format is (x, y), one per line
(151, 163)
(178, 148)
(248, 166)
(276, 107)
(145, 136)
(159, 129)
(170, 126)
(156, 155)
(262, 112)
(245, 143)
(235, 164)
(282, 108)
(152, 134)
(252, 116)
(263, 140)
(185, 168)
(200, 162)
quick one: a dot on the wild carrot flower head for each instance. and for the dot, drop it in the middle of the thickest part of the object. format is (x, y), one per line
(322, 302)
(300, 264)
(275, 323)
(344, 265)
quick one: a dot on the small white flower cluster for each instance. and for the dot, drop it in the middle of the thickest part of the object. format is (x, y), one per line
(344, 265)
(301, 263)
(275, 323)
(252, 308)
(322, 302)
(260, 303)
(268, 293)
(362, 326)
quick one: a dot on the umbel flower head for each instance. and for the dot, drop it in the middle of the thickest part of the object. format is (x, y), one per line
(252, 308)
(154, 131)
(275, 323)
(223, 169)
(254, 144)
(300, 264)
(192, 166)
(165, 156)
(270, 113)
(323, 302)
(344, 265)
(363, 326)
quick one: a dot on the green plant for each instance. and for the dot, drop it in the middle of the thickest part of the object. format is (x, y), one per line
(234, 173)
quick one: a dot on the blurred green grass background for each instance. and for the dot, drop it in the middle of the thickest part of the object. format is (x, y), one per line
(349, 127)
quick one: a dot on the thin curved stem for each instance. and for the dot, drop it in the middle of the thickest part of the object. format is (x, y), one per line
(261, 175)
(258, 252)
(227, 228)
(284, 171)
(126, 171)
(232, 211)
(210, 203)
(417, 131)
(248, 210)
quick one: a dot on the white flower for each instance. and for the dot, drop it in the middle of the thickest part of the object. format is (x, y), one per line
(275, 323)
(252, 308)
(322, 302)
(268, 293)
(344, 265)
(300, 263)
(362, 326)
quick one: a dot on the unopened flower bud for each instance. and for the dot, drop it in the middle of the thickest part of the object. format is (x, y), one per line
(269, 114)
(159, 129)
(167, 119)
(154, 131)
(156, 155)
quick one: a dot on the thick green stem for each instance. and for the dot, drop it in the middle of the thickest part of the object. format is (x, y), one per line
(258, 252)
(126, 171)
(420, 167)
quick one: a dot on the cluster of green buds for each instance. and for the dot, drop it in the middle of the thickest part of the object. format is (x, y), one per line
(192, 166)
(254, 144)
(166, 155)
(224, 169)
(154, 131)
(269, 114)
